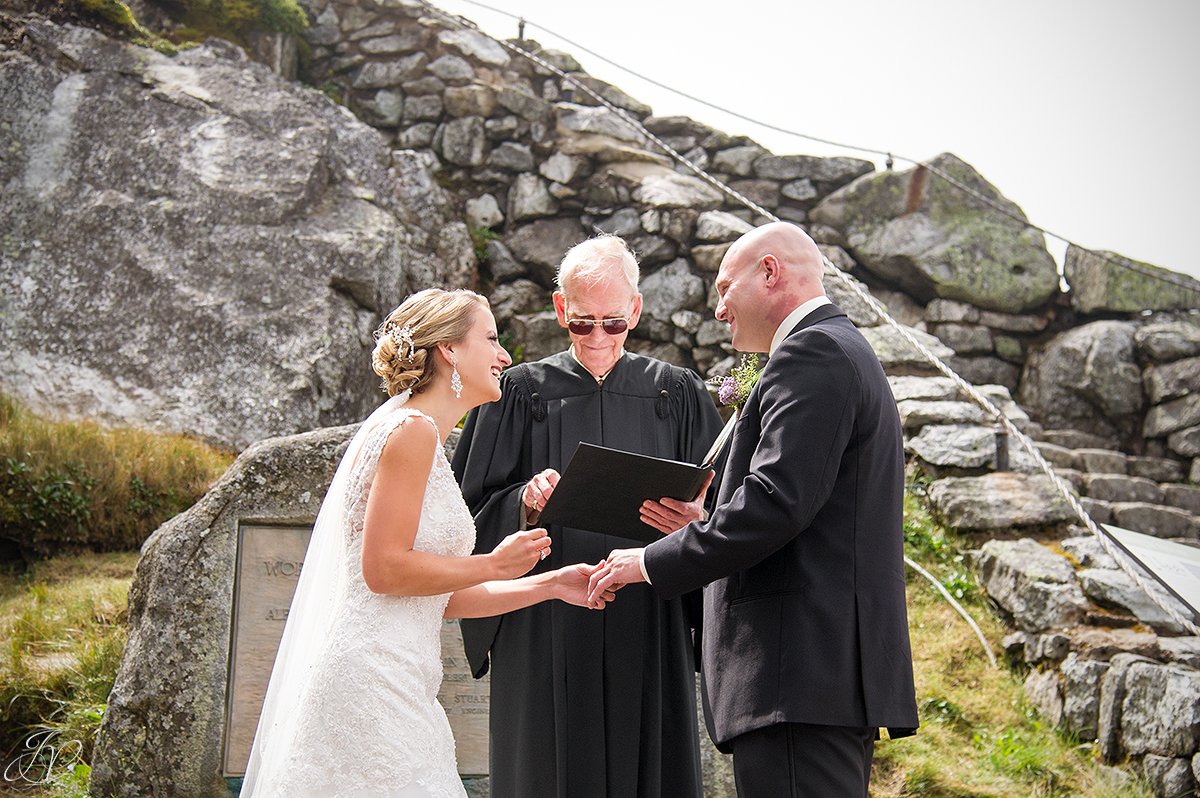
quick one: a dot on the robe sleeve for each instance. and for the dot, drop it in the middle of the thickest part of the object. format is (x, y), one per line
(699, 423)
(491, 464)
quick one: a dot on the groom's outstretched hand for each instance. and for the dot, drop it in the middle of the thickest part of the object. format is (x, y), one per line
(623, 567)
(571, 584)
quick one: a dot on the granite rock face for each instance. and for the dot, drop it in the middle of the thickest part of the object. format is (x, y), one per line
(263, 228)
(916, 230)
(1086, 379)
(162, 730)
(1103, 282)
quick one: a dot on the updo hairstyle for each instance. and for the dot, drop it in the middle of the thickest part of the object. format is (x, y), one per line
(404, 343)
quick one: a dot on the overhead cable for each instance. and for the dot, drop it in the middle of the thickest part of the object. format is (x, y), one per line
(1177, 281)
(870, 301)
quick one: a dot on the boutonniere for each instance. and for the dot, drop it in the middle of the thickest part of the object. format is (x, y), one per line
(733, 388)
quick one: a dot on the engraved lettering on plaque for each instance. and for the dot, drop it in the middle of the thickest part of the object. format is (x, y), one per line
(269, 561)
(465, 700)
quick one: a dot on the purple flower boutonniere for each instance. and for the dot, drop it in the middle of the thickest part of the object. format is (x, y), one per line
(733, 389)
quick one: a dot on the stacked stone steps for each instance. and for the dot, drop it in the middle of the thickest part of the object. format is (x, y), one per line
(949, 437)
(1108, 664)
(1145, 494)
(1081, 624)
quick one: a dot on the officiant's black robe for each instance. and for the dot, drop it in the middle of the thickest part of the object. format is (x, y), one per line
(585, 703)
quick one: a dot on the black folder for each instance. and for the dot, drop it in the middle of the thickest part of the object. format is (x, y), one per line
(602, 490)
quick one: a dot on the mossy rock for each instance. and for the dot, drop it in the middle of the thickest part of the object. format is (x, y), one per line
(1105, 282)
(923, 233)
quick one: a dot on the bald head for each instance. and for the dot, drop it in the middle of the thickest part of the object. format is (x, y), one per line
(788, 243)
(764, 276)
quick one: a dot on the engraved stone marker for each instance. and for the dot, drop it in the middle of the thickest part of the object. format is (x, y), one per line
(269, 560)
(465, 700)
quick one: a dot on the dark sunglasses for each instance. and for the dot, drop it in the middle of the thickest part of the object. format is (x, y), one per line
(585, 326)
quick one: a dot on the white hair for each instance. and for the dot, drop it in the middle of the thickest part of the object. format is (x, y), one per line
(596, 260)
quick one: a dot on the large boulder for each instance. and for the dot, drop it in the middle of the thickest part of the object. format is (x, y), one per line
(194, 244)
(161, 733)
(1105, 282)
(999, 501)
(1087, 379)
(1032, 584)
(918, 231)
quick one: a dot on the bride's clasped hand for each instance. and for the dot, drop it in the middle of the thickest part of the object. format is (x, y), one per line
(388, 562)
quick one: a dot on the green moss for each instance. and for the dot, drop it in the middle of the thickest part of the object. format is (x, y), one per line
(234, 20)
(480, 236)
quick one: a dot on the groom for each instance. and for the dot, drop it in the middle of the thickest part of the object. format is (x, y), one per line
(805, 644)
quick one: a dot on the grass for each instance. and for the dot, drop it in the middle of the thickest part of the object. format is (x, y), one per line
(77, 484)
(236, 20)
(978, 739)
(63, 621)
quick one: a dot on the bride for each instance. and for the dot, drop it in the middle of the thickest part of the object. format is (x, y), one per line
(351, 708)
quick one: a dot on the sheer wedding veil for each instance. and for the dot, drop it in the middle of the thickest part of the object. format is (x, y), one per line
(319, 593)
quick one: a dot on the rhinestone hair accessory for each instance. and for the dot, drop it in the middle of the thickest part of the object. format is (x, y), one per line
(403, 337)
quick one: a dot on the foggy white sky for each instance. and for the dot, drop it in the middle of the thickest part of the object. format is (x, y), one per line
(1086, 113)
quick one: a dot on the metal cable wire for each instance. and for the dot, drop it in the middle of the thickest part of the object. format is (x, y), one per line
(878, 308)
(1191, 287)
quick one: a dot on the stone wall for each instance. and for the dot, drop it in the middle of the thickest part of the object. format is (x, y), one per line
(538, 165)
(1106, 663)
(477, 149)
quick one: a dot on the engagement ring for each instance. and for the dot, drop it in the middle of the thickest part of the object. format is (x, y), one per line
(542, 554)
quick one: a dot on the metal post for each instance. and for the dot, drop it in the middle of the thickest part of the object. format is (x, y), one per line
(1001, 449)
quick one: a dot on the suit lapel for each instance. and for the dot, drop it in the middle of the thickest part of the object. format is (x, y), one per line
(822, 313)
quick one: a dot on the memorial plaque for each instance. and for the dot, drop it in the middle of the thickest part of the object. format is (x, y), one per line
(465, 700)
(1176, 566)
(269, 559)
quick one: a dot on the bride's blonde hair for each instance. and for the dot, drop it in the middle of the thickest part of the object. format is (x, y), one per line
(404, 343)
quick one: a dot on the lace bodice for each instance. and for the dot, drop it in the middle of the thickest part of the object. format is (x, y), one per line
(372, 725)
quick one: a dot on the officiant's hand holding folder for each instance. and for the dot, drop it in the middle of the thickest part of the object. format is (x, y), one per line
(602, 489)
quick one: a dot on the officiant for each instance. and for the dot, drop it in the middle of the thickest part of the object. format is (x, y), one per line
(587, 704)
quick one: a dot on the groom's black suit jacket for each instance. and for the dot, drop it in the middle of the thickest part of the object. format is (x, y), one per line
(804, 614)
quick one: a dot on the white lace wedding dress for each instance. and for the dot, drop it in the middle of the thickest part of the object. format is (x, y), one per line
(371, 723)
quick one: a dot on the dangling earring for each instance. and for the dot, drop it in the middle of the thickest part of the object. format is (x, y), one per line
(455, 380)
